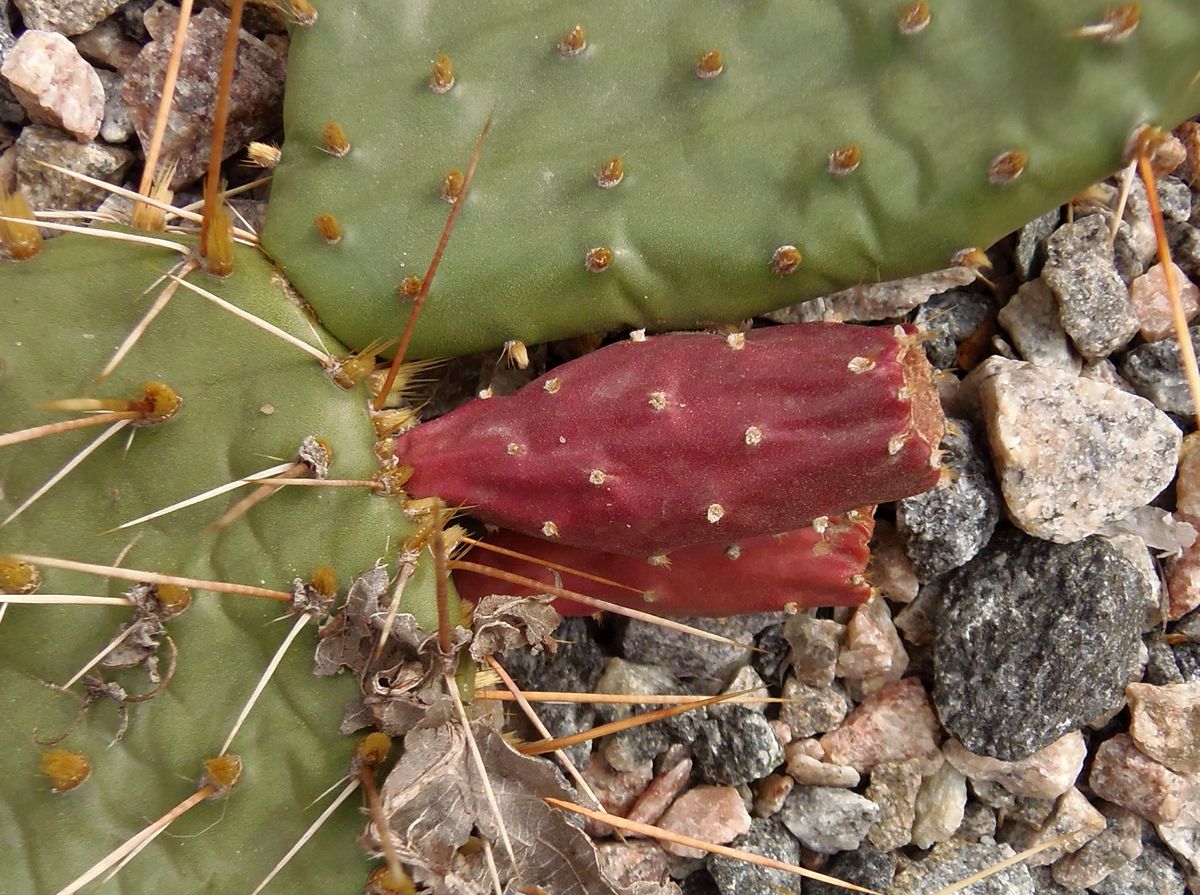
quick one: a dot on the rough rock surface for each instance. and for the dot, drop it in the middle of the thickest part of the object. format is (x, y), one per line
(1154, 873)
(813, 709)
(1046, 774)
(872, 654)
(815, 646)
(1034, 639)
(956, 326)
(1125, 776)
(739, 746)
(1032, 321)
(945, 527)
(55, 84)
(875, 301)
(47, 189)
(894, 724)
(1030, 252)
(1155, 371)
(827, 819)
(1093, 301)
(254, 103)
(1119, 843)
(866, 866)
(894, 786)
(1073, 816)
(712, 813)
(1152, 301)
(952, 861)
(1165, 723)
(940, 806)
(765, 837)
(65, 16)
(689, 656)
(1073, 454)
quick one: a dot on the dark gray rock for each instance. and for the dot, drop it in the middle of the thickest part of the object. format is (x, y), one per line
(632, 747)
(1093, 300)
(867, 867)
(945, 527)
(1034, 639)
(1187, 660)
(771, 662)
(1044, 884)
(1030, 253)
(827, 819)
(65, 16)
(954, 860)
(768, 838)
(575, 666)
(1155, 371)
(1154, 873)
(47, 189)
(738, 746)
(1185, 246)
(692, 657)
(1161, 667)
(949, 319)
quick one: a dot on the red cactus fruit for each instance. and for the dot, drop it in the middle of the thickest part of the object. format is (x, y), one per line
(821, 565)
(650, 445)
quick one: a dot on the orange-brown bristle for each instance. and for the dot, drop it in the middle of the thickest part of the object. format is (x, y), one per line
(356, 367)
(336, 141)
(324, 581)
(174, 597)
(328, 228)
(65, 769)
(598, 259)
(19, 239)
(218, 243)
(441, 77)
(611, 173)
(18, 576)
(844, 160)
(222, 773)
(709, 65)
(303, 13)
(573, 42)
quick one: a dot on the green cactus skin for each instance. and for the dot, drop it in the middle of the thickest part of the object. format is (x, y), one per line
(62, 315)
(719, 173)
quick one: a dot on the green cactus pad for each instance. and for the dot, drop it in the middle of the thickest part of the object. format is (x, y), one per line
(248, 401)
(719, 172)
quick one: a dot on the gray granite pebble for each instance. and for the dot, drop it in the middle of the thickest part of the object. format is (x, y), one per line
(1093, 300)
(47, 189)
(1185, 246)
(815, 646)
(1030, 253)
(1155, 371)
(952, 861)
(691, 657)
(1154, 873)
(765, 837)
(866, 866)
(1073, 455)
(812, 709)
(894, 786)
(1032, 321)
(1034, 639)
(116, 127)
(739, 746)
(946, 526)
(65, 16)
(828, 819)
(951, 318)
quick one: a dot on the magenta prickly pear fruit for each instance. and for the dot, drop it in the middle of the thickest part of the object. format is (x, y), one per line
(819, 565)
(650, 445)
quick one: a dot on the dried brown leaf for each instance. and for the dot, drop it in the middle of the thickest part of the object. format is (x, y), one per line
(503, 623)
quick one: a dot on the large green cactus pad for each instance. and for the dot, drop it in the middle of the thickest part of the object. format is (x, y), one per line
(719, 172)
(249, 399)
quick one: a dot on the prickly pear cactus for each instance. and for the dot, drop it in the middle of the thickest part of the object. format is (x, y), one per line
(695, 161)
(248, 402)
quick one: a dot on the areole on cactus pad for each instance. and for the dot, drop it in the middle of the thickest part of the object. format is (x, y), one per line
(650, 445)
